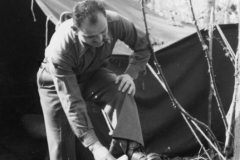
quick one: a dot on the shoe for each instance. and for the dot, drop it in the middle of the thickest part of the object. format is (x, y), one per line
(153, 156)
(138, 156)
(135, 151)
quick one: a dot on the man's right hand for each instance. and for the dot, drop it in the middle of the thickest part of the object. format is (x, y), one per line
(100, 152)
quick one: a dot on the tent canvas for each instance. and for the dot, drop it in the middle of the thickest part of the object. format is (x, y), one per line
(158, 27)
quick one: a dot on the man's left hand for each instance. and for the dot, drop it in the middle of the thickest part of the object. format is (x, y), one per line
(126, 84)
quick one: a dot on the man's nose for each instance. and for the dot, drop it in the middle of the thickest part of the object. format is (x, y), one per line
(99, 38)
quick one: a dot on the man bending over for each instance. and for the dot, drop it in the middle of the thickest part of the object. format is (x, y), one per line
(74, 71)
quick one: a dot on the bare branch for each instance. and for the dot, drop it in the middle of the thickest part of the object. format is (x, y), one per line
(211, 72)
(194, 133)
(162, 78)
(229, 48)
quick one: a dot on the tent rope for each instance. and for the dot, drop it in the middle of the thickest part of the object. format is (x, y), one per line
(34, 18)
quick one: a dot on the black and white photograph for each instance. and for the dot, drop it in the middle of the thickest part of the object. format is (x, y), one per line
(120, 80)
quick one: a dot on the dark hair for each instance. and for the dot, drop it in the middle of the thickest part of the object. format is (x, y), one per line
(87, 9)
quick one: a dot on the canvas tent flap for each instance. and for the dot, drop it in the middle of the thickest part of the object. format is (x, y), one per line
(55, 8)
(158, 27)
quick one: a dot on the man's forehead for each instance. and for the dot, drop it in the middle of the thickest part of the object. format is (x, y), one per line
(88, 29)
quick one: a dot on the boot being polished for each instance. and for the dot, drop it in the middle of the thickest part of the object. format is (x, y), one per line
(135, 151)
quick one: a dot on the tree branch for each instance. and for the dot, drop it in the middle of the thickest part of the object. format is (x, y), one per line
(230, 52)
(194, 133)
(211, 72)
(162, 78)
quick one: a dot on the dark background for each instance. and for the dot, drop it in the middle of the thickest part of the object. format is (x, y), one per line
(22, 49)
(23, 44)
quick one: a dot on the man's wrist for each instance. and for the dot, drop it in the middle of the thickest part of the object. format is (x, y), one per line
(88, 138)
(129, 76)
(95, 146)
(132, 72)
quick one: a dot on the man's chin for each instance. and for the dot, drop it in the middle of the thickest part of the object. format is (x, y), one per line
(97, 44)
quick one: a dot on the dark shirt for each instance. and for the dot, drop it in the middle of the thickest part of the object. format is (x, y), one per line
(67, 57)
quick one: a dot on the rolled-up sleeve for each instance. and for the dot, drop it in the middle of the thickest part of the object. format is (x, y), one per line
(72, 101)
(136, 39)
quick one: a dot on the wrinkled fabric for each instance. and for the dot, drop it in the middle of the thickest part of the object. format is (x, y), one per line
(99, 88)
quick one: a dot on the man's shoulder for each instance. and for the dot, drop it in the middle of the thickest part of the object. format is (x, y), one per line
(65, 26)
(112, 16)
(63, 38)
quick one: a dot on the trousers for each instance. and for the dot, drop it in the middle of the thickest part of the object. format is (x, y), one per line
(98, 86)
